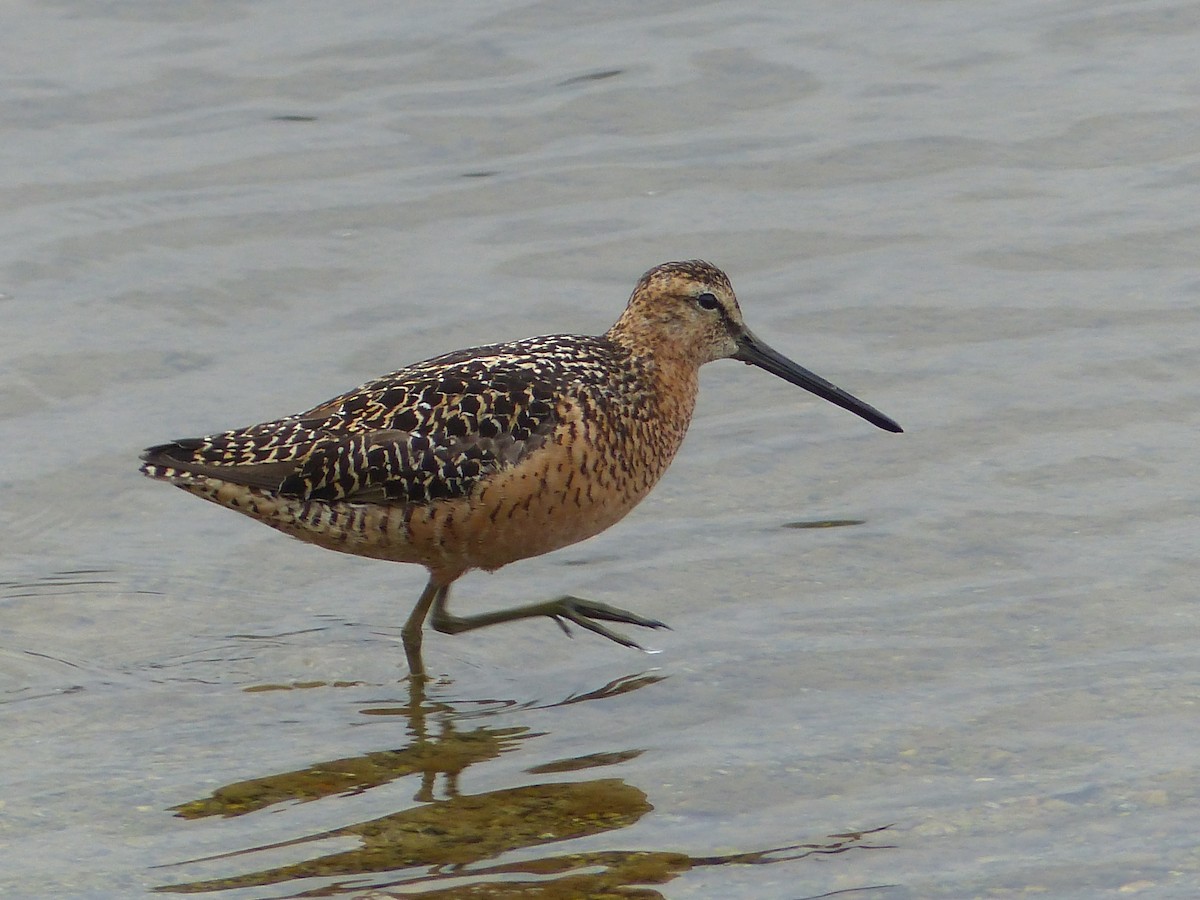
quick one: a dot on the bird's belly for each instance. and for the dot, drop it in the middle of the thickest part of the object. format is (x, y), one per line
(548, 521)
(557, 499)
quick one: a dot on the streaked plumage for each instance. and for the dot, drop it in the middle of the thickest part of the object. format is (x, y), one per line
(484, 456)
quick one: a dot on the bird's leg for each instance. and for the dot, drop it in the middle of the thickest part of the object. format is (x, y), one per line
(411, 633)
(565, 609)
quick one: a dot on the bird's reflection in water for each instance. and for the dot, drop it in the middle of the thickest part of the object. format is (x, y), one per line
(442, 847)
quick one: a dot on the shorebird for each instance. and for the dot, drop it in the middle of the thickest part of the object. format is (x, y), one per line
(481, 457)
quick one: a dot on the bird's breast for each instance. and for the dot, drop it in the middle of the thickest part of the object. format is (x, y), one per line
(602, 459)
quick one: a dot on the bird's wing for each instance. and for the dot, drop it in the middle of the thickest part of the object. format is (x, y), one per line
(429, 432)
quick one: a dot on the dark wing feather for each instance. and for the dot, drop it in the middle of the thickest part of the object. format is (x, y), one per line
(428, 432)
(399, 466)
(168, 460)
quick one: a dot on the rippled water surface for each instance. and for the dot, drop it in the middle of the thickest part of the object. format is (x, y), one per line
(979, 679)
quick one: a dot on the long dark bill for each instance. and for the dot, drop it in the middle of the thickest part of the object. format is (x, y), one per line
(754, 352)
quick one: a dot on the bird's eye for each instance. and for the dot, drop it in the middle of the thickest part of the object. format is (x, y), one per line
(707, 300)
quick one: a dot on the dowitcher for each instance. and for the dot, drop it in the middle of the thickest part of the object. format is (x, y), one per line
(481, 457)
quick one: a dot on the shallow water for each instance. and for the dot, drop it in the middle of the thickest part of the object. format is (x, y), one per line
(979, 681)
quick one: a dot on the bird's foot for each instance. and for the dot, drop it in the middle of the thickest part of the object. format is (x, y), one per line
(584, 613)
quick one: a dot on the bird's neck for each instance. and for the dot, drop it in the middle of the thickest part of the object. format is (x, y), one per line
(652, 340)
(668, 381)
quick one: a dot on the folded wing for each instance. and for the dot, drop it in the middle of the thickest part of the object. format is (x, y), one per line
(426, 433)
